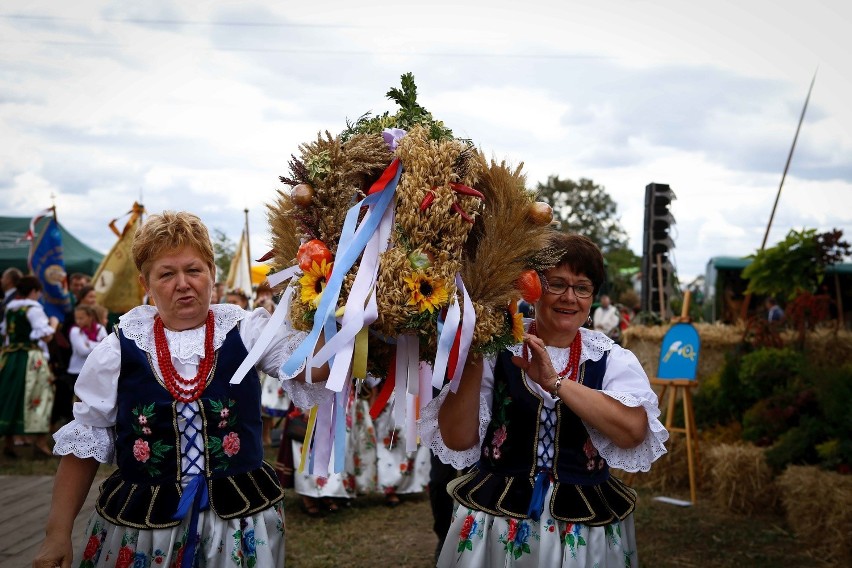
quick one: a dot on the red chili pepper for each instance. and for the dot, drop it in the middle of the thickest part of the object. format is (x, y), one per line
(427, 200)
(457, 208)
(465, 190)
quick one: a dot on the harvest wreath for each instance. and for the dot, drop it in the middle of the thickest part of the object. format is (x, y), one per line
(412, 249)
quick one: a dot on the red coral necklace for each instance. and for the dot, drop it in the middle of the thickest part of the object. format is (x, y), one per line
(173, 381)
(573, 365)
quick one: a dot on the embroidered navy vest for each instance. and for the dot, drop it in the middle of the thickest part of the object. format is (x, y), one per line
(145, 490)
(502, 482)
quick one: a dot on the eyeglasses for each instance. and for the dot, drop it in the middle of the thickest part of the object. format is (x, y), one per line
(580, 290)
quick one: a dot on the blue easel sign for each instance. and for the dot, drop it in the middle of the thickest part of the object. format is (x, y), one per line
(679, 353)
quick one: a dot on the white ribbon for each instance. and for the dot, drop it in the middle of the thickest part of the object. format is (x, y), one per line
(445, 343)
(275, 322)
(361, 308)
(468, 324)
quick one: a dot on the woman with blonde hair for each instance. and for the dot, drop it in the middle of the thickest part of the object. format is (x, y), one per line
(191, 488)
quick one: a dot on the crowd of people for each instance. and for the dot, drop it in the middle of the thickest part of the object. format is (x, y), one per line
(515, 462)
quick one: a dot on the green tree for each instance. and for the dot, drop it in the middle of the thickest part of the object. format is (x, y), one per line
(795, 264)
(586, 208)
(223, 251)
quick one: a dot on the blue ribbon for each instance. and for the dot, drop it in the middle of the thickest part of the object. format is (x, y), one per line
(196, 497)
(347, 253)
(542, 483)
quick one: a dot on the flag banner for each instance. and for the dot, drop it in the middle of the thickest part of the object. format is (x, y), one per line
(239, 275)
(46, 263)
(116, 281)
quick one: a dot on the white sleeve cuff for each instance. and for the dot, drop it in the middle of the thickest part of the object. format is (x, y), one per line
(85, 442)
(642, 456)
(307, 395)
(430, 432)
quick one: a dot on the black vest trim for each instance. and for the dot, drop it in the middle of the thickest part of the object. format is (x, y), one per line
(245, 493)
(584, 491)
(147, 506)
(593, 505)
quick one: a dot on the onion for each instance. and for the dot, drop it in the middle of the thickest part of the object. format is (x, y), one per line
(540, 213)
(302, 195)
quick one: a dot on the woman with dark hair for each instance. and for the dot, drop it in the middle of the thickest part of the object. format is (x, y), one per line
(26, 389)
(541, 423)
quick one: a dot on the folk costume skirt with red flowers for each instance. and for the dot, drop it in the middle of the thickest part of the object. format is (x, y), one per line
(252, 541)
(478, 539)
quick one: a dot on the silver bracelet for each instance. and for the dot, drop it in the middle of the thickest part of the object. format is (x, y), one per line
(556, 385)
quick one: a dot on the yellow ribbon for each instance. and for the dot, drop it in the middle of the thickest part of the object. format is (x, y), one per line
(312, 419)
(359, 359)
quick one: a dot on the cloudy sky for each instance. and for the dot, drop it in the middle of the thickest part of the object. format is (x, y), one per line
(198, 105)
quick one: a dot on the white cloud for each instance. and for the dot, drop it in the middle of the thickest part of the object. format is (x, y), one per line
(199, 105)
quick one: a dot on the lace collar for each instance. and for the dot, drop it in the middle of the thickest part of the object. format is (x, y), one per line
(186, 346)
(593, 345)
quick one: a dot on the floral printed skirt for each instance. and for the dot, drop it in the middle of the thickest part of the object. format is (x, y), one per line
(247, 542)
(26, 392)
(479, 539)
(377, 456)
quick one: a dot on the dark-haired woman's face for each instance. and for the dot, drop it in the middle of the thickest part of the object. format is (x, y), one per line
(559, 316)
(89, 299)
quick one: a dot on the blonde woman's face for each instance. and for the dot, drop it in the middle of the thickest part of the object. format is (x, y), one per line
(181, 285)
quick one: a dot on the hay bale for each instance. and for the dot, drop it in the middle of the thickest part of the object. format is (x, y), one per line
(828, 346)
(716, 340)
(670, 473)
(739, 478)
(818, 508)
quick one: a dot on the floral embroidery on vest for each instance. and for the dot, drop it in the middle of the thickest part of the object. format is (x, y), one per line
(149, 454)
(594, 460)
(499, 419)
(224, 448)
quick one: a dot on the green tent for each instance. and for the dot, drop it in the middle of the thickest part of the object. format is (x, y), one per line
(78, 256)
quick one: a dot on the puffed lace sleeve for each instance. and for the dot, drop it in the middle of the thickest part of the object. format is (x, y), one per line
(284, 343)
(625, 380)
(430, 432)
(90, 434)
(39, 323)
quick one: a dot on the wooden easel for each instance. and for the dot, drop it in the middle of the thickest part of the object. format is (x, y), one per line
(682, 387)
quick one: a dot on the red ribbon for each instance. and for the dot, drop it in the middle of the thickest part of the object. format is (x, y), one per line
(454, 355)
(386, 177)
(387, 389)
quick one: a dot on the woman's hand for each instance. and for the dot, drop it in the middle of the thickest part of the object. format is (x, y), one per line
(54, 553)
(539, 368)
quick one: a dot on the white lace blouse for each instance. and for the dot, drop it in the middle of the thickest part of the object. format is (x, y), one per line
(90, 434)
(624, 380)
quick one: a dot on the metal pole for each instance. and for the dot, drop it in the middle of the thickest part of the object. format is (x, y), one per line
(789, 159)
(747, 299)
(248, 253)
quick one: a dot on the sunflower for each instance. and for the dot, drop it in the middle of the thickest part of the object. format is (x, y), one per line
(313, 282)
(426, 293)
